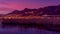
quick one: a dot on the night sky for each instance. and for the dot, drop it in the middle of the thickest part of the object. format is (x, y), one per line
(7, 6)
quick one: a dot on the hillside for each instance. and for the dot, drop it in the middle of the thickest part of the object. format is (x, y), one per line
(50, 10)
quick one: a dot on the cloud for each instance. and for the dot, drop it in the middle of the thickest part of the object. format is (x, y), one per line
(19, 6)
(8, 5)
(5, 10)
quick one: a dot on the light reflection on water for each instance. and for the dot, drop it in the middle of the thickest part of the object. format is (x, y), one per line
(8, 29)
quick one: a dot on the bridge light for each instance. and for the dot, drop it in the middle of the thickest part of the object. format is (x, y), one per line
(9, 17)
(5, 17)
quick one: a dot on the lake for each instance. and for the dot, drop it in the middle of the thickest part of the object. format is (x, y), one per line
(15, 29)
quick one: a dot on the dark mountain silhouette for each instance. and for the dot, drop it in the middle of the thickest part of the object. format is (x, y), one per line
(25, 12)
(15, 12)
(50, 10)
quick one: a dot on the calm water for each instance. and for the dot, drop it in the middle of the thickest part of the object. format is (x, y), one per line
(8, 29)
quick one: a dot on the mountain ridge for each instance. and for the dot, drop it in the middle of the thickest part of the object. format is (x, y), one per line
(50, 10)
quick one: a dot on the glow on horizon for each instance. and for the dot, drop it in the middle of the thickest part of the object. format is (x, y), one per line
(21, 4)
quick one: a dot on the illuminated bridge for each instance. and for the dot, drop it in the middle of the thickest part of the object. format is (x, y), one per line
(39, 19)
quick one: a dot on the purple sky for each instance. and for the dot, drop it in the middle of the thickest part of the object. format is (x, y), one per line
(7, 6)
